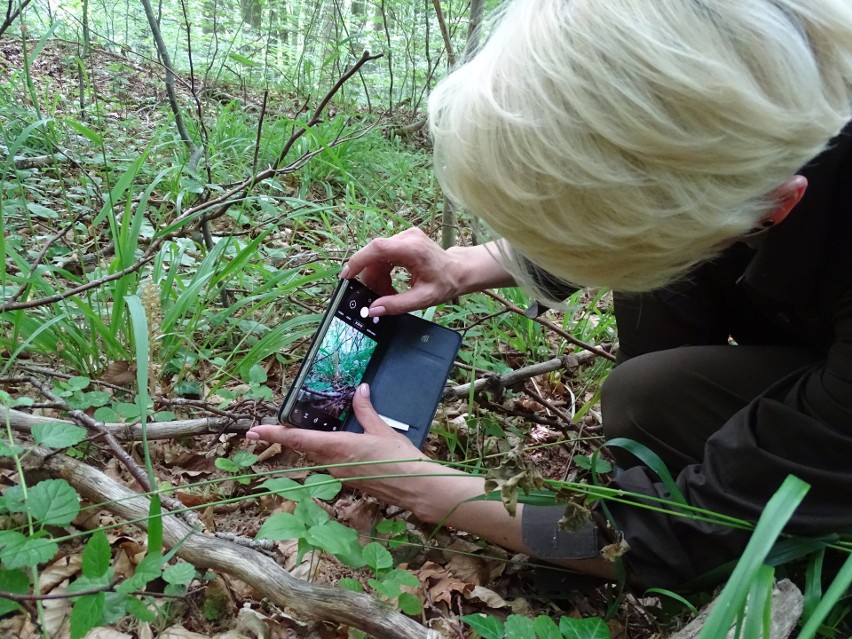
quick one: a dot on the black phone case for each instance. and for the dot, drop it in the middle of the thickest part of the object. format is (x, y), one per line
(407, 373)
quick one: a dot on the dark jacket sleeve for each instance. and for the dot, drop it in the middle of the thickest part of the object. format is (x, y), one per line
(802, 426)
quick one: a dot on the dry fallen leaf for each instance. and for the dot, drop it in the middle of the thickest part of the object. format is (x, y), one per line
(486, 596)
(120, 373)
(614, 551)
(179, 632)
(59, 571)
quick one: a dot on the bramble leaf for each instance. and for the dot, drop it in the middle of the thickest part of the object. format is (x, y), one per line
(519, 627)
(546, 628)
(53, 502)
(20, 551)
(589, 628)
(16, 582)
(96, 556)
(58, 435)
(87, 613)
(181, 573)
(488, 627)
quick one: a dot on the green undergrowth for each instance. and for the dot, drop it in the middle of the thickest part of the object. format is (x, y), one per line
(227, 318)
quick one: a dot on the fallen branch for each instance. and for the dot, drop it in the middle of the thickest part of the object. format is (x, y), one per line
(501, 382)
(22, 421)
(298, 598)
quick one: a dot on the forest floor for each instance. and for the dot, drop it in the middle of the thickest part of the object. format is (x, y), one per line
(458, 574)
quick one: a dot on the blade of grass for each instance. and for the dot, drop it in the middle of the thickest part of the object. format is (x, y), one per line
(778, 511)
(838, 589)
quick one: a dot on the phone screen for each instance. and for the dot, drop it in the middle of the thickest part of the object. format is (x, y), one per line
(324, 395)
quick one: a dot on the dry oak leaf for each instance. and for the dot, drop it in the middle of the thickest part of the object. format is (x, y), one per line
(440, 584)
(513, 474)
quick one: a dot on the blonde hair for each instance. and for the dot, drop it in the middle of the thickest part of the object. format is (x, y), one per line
(620, 142)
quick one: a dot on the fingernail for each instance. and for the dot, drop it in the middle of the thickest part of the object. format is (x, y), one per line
(377, 311)
(344, 272)
(252, 435)
(364, 389)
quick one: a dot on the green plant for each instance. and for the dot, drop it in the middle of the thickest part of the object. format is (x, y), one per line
(237, 464)
(542, 627)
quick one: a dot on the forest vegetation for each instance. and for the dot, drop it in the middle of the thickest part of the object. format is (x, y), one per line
(182, 181)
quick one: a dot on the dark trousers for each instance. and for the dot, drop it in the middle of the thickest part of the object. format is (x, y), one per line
(673, 400)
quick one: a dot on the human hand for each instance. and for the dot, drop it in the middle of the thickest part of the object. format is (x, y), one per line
(434, 272)
(378, 443)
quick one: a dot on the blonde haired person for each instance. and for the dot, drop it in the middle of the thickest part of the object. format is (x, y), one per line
(691, 155)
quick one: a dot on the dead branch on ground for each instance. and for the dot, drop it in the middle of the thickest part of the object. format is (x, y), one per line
(299, 598)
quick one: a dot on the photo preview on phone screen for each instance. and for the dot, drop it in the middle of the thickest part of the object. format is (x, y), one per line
(324, 398)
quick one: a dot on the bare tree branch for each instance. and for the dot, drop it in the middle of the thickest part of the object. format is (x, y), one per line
(303, 600)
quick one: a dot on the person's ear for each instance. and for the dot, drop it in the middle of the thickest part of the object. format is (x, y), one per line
(786, 196)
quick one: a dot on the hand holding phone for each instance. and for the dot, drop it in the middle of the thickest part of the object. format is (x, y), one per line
(405, 359)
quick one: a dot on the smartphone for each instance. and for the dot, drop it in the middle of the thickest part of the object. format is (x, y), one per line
(405, 359)
(340, 352)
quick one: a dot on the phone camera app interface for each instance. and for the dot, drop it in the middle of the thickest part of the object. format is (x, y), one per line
(325, 398)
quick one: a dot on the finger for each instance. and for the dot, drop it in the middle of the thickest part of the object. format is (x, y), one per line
(367, 416)
(413, 299)
(302, 439)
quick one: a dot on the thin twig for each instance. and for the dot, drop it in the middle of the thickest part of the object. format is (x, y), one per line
(122, 455)
(553, 327)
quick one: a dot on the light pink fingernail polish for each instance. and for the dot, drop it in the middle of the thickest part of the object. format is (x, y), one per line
(377, 311)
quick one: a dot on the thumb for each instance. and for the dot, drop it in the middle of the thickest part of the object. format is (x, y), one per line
(367, 415)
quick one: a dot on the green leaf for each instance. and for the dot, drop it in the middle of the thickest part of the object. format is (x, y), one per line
(87, 613)
(243, 458)
(409, 604)
(653, 461)
(85, 131)
(14, 501)
(286, 487)
(16, 582)
(390, 527)
(236, 57)
(488, 627)
(97, 398)
(519, 627)
(149, 569)
(546, 628)
(53, 502)
(181, 573)
(310, 513)
(96, 556)
(108, 414)
(23, 551)
(257, 374)
(323, 486)
(282, 526)
(223, 463)
(115, 607)
(591, 628)
(9, 451)
(389, 589)
(377, 557)
(57, 435)
(402, 577)
(79, 382)
(138, 609)
(353, 585)
(333, 537)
